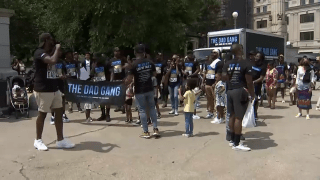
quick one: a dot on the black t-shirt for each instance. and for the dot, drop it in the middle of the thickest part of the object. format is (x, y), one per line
(212, 68)
(100, 72)
(116, 66)
(240, 68)
(282, 68)
(45, 74)
(175, 77)
(72, 69)
(142, 70)
(159, 70)
(257, 71)
(190, 67)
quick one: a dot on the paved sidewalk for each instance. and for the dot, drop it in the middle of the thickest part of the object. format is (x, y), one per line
(283, 147)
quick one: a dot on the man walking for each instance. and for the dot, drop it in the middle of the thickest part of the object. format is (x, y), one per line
(142, 71)
(46, 91)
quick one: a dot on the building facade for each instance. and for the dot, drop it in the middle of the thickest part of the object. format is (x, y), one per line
(297, 20)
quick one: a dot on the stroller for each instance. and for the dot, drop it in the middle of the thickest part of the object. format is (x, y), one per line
(17, 96)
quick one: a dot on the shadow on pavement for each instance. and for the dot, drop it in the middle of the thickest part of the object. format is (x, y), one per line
(257, 140)
(203, 134)
(93, 146)
(167, 123)
(282, 107)
(270, 117)
(261, 123)
(171, 133)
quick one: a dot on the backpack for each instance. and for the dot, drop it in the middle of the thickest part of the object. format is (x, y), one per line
(307, 76)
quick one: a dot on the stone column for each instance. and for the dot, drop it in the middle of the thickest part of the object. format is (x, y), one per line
(317, 25)
(5, 64)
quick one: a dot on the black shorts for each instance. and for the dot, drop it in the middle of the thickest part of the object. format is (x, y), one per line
(237, 102)
(128, 102)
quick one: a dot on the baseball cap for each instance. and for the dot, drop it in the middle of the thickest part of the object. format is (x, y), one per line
(252, 53)
(215, 51)
(140, 48)
(42, 39)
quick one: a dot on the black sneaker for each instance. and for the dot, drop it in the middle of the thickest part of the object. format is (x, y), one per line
(108, 119)
(130, 121)
(103, 117)
(80, 110)
(159, 116)
(242, 137)
(117, 110)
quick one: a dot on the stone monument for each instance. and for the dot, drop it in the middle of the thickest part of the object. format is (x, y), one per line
(5, 60)
(277, 18)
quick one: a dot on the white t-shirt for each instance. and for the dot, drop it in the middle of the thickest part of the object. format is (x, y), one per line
(88, 65)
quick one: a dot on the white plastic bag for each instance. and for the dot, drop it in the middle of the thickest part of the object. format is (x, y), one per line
(248, 119)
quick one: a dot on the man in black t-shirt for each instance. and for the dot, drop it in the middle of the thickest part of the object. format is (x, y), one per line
(258, 73)
(142, 72)
(237, 73)
(117, 70)
(46, 90)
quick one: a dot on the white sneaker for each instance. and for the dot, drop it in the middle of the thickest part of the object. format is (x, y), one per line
(171, 112)
(65, 144)
(241, 147)
(195, 117)
(176, 113)
(307, 117)
(216, 121)
(38, 144)
(283, 101)
(318, 109)
(298, 115)
(231, 143)
(209, 116)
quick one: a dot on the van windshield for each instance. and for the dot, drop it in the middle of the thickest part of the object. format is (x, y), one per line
(201, 54)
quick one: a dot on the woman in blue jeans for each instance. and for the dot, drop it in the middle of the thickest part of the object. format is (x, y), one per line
(173, 75)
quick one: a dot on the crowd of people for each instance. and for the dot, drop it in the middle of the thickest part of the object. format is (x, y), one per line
(228, 81)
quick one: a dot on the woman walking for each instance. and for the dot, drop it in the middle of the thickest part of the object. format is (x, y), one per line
(271, 84)
(305, 77)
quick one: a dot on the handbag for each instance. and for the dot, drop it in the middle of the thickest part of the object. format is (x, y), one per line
(248, 119)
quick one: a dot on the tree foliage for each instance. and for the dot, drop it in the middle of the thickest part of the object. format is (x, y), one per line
(99, 25)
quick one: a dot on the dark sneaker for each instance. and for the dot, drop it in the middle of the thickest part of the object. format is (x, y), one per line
(108, 119)
(145, 135)
(80, 110)
(130, 121)
(156, 132)
(159, 116)
(242, 137)
(117, 110)
(103, 117)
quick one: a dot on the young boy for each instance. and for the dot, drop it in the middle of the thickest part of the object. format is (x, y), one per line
(189, 101)
(220, 92)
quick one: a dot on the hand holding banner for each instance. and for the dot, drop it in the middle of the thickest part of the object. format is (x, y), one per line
(103, 93)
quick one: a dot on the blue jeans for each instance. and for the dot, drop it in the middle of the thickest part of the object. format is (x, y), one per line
(174, 96)
(189, 122)
(145, 100)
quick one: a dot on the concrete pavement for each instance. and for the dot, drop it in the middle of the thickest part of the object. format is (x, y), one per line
(283, 147)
